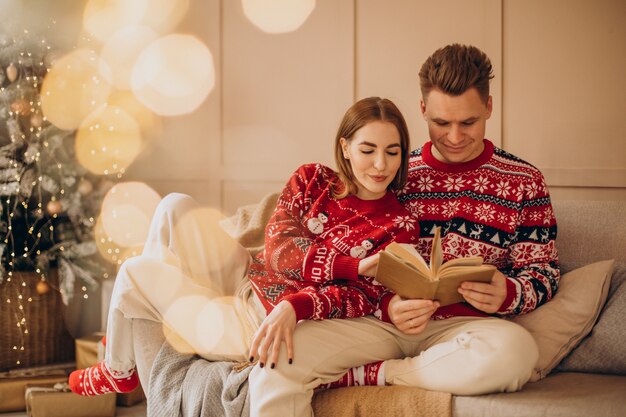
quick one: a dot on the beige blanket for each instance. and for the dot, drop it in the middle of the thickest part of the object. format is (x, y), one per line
(248, 227)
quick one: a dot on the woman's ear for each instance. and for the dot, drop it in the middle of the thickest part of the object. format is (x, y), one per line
(344, 147)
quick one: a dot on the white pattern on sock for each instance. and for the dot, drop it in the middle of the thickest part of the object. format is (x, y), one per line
(380, 379)
(119, 374)
(359, 375)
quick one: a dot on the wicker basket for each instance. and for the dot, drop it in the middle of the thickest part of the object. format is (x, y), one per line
(47, 341)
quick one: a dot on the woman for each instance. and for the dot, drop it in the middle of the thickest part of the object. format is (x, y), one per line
(318, 262)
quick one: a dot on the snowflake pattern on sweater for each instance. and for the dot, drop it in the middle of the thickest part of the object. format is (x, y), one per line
(313, 245)
(496, 206)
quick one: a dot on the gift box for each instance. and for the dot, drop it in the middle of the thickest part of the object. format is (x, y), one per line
(12, 390)
(58, 401)
(129, 399)
(89, 350)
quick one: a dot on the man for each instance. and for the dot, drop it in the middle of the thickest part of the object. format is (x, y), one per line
(488, 203)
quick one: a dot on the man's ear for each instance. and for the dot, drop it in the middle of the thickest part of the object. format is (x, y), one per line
(423, 107)
(489, 107)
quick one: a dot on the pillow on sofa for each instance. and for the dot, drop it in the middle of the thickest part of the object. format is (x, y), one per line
(561, 323)
(603, 350)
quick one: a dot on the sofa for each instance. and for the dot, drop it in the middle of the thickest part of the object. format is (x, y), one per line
(581, 335)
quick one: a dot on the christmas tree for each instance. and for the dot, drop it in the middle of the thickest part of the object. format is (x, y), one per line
(48, 202)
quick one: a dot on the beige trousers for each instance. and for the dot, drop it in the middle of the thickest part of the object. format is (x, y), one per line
(191, 278)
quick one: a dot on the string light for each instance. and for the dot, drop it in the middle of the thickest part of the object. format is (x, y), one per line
(25, 197)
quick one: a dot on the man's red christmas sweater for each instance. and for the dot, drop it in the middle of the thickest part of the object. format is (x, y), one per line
(496, 206)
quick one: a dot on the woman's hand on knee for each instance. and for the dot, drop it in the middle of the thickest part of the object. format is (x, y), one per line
(411, 316)
(277, 327)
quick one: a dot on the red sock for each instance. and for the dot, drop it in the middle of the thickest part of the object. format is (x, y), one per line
(370, 374)
(98, 379)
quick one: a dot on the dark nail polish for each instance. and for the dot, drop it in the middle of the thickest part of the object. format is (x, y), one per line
(251, 358)
(261, 364)
(290, 361)
(272, 366)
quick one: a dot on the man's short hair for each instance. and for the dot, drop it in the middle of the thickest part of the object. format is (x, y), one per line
(454, 69)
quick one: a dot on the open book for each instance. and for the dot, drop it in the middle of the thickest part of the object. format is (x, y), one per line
(404, 271)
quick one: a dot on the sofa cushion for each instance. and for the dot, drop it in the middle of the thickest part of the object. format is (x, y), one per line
(563, 394)
(603, 350)
(559, 325)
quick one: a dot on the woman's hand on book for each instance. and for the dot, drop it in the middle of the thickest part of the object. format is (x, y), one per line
(487, 297)
(411, 316)
(367, 266)
(277, 327)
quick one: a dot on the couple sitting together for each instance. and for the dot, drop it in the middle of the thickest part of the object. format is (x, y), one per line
(307, 310)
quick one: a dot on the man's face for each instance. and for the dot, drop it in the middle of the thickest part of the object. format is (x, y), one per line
(456, 124)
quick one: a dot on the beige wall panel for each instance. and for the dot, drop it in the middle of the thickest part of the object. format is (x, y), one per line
(283, 95)
(565, 90)
(197, 189)
(188, 148)
(395, 37)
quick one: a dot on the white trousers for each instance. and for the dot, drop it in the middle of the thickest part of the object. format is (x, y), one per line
(191, 278)
(463, 356)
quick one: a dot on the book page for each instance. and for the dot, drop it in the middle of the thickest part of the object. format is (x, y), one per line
(436, 253)
(472, 261)
(404, 278)
(409, 255)
(447, 291)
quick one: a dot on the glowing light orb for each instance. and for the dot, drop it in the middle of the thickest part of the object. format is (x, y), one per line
(219, 249)
(73, 89)
(102, 18)
(149, 123)
(111, 251)
(173, 75)
(183, 315)
(278, 16)
(121, 50)
(108, 141)
(164, 15)
(127, 210)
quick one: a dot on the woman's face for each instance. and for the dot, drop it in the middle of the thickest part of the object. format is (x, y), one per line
(375, 155)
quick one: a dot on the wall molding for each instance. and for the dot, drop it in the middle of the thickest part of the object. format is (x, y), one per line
(585, 177)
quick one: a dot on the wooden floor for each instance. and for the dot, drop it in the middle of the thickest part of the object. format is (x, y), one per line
(138, 410)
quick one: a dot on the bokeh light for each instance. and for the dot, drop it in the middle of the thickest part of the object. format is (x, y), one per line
(127, 211)
(111, 251)
(121, 50)
(182, 315)
(218, 248)
(73, 88)
(278, 16)
(149, 124)
(103, 18)
(108, 141)
(173, 75)
(164, 15)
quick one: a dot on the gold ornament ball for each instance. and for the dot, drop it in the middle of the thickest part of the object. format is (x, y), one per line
(12, 72)
(85, 187)
(42, 287)
(21, 107)
(53, 207)
(36, 120)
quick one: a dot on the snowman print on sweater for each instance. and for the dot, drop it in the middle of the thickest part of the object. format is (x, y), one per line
(316, 224)
(360, 252)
